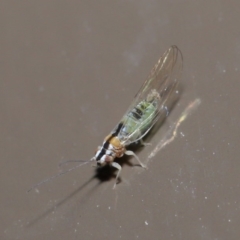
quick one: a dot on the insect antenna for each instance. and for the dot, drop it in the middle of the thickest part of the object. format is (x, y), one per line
(65, 162)
(61, 173)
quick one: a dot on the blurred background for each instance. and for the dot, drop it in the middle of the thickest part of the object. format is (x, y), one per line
(69, 70)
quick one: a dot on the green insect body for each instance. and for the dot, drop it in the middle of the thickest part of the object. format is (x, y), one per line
(141, 115)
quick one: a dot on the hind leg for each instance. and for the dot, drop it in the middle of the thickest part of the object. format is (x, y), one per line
(131, 153)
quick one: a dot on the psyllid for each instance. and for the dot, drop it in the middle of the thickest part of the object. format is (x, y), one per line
(144, 111)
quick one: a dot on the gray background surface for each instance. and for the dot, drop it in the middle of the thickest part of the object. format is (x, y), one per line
(69, 70)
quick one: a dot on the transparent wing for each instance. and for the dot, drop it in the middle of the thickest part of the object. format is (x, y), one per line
(163, 78)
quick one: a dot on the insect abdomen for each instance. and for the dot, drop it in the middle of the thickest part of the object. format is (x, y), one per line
(139, 116)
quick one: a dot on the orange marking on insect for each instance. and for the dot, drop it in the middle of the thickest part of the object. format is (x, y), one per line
(118, 148)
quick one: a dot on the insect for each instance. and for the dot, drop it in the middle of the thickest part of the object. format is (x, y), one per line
(148, 105)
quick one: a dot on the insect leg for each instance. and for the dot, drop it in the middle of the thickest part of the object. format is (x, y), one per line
(131, 153)
(117, 166)
(166, 109)
(144, 143)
